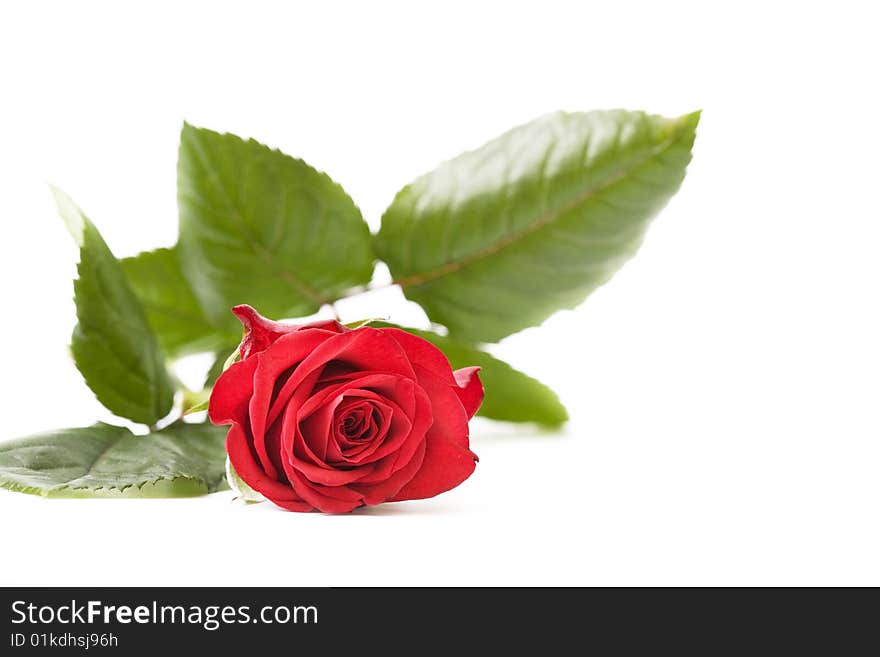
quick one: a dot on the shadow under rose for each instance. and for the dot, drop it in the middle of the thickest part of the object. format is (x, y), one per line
(388, 509)
(400, 509)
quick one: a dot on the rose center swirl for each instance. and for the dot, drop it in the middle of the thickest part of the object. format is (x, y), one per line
(356, 424)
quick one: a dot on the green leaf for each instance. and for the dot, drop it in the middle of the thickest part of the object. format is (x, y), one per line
(218, 366)
(172, 309)
(498, 239)
(102, 459)
(196, 401)
(239, 487)
(112, 344)
(263, 228)
(510, 395)
(363, 322)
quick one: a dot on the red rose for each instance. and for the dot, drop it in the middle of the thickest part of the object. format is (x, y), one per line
(330, 418)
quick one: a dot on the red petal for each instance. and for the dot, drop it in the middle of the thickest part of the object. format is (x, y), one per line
(302, 507)
(270, 365)
(421, 352)
(469, 389)
(260, 332)
(445, 466)
(448, 459)
(263, 443)
(317, 427)
(319, 432)
(232, 393)
(242, 458)
(362, 349)
(388, 488)
(381, 384)
(413, 448)
(450, 417)
(329, 499)
(298, 457)
(400, 395)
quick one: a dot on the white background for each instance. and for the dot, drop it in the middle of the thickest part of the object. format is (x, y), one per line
(723, 387)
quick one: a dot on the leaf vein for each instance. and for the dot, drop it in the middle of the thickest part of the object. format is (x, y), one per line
(415, 280)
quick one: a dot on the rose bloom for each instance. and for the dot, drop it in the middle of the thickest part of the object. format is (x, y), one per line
(330, 418)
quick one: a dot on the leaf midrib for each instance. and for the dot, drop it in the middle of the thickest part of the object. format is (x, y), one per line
(103, 453)
(416, 280)
(258, 249)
